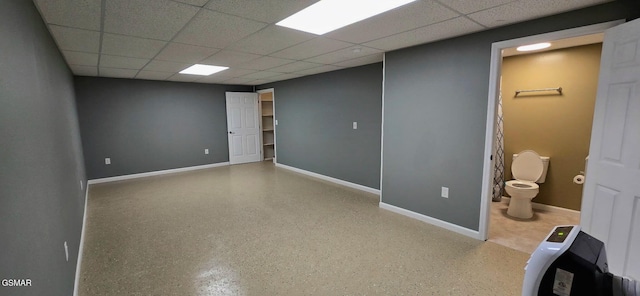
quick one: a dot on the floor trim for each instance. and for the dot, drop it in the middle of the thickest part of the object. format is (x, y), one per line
(330, 179)
(433, 221)
(155, 173)
(548, 208)
(81, 245)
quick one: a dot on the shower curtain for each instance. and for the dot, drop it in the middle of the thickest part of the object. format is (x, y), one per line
(498, 154)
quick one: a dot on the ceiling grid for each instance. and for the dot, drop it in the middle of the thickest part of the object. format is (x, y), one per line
(155, 39)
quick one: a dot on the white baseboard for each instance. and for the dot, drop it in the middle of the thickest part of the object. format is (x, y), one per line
(548, 208)
(155, 173)
(81, 245)
(437, 222)
(330, 179)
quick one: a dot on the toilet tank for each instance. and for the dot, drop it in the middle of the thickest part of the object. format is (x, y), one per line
(545, 167)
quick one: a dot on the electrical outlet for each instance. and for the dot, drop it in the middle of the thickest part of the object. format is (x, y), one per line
(355, 125)
(107, 160)
(66, 251)
(445, 192)
(206, 151)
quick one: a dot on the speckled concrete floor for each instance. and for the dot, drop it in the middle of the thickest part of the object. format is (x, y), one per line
(259, 230)
(525, 235)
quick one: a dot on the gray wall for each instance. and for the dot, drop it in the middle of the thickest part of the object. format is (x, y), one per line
(145, 125)
(41, 165)
(435, 115)
(315, 116)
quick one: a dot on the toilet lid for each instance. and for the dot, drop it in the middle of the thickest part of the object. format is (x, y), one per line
(527, 166)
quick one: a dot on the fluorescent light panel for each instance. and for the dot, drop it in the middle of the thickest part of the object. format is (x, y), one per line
(204, 70)
(328, 15)
(532, 47)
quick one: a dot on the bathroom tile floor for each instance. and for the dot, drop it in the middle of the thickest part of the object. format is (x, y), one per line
(256, 229)
(525, 235)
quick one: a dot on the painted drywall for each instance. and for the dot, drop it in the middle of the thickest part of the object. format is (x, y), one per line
(41, 164)
(558, 126)
(435, 111)
(315, 123)
(145, 126)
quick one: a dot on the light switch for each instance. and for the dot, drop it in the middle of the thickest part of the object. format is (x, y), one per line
(276, 122)
(355, 125)
(107, 160)
(445, 192)
(206, 151)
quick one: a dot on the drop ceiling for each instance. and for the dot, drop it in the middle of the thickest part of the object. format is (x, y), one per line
(155, 39)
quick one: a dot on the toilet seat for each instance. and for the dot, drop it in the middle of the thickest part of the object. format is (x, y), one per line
(522, 185)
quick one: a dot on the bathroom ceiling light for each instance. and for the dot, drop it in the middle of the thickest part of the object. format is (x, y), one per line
(328, 15)
(532, 47)
(204, 70)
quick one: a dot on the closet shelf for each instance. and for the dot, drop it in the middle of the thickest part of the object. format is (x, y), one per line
(268, 144)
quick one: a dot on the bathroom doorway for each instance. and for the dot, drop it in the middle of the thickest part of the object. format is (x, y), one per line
(553, 83)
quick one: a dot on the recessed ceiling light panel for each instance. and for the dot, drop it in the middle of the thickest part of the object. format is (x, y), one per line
(204, 70)
(328, 15)
(532, 47)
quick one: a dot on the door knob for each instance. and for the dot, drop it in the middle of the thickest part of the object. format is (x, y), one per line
(231, 133)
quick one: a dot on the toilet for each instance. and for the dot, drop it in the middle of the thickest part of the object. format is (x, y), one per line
(528, 168)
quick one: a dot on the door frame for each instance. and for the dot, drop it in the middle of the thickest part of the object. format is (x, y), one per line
(492, 106)
(273, 95)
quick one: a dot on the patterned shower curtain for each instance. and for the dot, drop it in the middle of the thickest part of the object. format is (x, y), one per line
(498, 154)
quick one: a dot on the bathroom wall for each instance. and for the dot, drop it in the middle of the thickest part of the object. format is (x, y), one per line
(558, 126)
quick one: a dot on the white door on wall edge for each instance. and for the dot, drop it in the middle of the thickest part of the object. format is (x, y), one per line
(611, 196)
(243, 127)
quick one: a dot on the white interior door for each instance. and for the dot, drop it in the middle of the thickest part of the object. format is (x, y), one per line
(243, 127)
(611, 197)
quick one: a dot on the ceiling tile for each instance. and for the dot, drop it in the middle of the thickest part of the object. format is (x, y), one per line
(178, 52)
(153, 75)
(404, 18)
(265, 11)
(83, 14)
(184, 77)
(260, 81)
(213, 79)
(271, 39)
(76, 39)
(109, 61)
(262, 75)
(231, 73)
(165, 66)
(344, 54)
(80, 58)
(239, 80)
(130, 46)
(264, 63)
(229, 58)
(214, 29)
(199, 3)
(154, 19)
(295, 66)
(370, 59)
(321, 69)
(117, 73)
(84, 70)
(466, 6)
(525, 10)
(446, 29)
(311, 48)
(286, 76)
